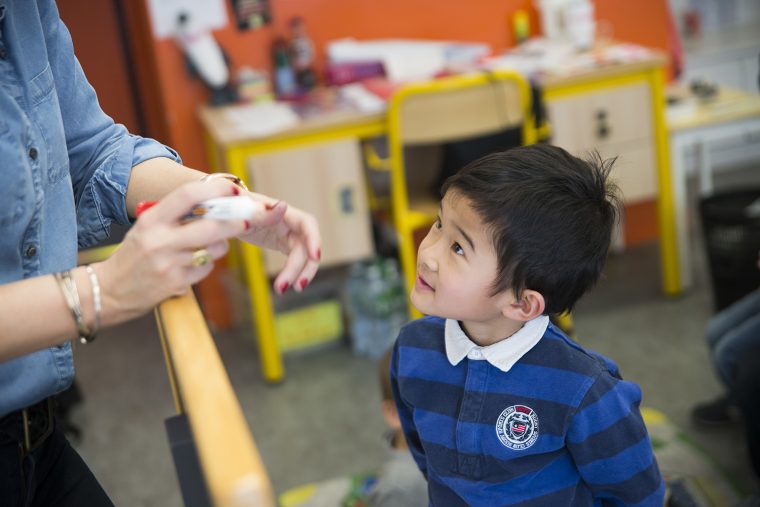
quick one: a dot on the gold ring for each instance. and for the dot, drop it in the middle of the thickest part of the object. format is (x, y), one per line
(201, 257)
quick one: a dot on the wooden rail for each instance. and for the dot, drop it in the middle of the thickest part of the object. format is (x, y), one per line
(229, 460)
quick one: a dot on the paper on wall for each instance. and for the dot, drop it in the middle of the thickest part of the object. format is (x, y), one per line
(204, 15)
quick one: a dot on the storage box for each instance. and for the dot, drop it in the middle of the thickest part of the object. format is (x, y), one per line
(309, 326)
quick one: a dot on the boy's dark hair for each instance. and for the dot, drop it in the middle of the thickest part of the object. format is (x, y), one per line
(551, 215)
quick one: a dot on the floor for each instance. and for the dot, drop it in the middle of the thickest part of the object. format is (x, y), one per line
(325, 419)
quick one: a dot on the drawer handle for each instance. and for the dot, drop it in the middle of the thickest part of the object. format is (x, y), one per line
(346, 197)
(602, 125)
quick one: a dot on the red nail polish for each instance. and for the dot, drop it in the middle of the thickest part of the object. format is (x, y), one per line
(271, 206)
(319, 253)
(235, 191)
(284, 287)
(303, 283)
(247, 224)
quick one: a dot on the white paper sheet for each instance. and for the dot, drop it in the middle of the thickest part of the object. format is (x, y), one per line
(259, 120)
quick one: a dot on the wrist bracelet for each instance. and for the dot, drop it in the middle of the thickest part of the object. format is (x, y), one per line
(71, 296)
(95, 302)
(226, 176)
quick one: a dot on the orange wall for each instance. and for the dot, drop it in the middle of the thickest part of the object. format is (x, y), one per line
(642, 21)
(99, 49)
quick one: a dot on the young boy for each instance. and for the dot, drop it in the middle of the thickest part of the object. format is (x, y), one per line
(498, 406)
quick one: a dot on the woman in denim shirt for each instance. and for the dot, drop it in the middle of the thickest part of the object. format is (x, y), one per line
(67, 172)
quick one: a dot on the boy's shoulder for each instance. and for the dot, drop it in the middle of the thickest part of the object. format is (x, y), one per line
(557, 350)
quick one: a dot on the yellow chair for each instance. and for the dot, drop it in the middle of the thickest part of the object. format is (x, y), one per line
(434, 112)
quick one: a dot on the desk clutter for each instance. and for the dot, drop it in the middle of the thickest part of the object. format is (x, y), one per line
(361, 76)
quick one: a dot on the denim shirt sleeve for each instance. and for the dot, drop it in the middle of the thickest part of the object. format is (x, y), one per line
(102, 200)
(101, 152)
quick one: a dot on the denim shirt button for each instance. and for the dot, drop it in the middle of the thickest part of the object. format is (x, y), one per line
(31, 251)
(33, 153)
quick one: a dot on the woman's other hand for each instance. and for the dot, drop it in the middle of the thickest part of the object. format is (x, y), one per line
(291, 231)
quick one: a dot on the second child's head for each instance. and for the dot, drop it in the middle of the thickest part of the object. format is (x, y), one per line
(520, 233)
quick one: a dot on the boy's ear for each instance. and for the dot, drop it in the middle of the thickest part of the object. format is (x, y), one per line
(530, 305)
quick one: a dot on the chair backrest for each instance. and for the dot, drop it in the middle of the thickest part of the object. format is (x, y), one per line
(459, 107)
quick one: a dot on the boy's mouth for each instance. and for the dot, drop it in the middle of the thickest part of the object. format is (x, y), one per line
(421, 284)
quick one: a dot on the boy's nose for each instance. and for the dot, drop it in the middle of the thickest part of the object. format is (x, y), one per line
(426, 256)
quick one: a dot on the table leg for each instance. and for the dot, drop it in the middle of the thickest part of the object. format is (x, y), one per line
(272, 368)
(666, 214)
(705, 168)
(680, 206)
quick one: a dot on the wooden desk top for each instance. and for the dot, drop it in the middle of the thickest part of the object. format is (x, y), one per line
(604, 70)
(729, 105)
(223, 130)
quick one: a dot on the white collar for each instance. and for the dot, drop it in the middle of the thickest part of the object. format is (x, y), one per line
(502, 354)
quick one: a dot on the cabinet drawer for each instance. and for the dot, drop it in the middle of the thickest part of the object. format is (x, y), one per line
(599, 118)
(326, 180)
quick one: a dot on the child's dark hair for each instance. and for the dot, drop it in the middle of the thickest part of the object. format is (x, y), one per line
(551, 215)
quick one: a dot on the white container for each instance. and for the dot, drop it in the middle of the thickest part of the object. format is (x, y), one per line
(580, 24)
(552, 18)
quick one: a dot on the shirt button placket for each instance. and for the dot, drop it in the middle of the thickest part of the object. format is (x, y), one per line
(469, 416)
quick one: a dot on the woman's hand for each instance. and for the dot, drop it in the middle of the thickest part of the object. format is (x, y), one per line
(291, 231)
(155, 260)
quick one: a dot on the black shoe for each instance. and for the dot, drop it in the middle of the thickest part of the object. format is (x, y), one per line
(717, 412)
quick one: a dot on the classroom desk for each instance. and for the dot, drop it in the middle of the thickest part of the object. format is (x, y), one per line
(732, 114)
(228, 150)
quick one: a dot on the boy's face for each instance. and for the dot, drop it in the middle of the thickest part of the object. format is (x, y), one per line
(456, 266)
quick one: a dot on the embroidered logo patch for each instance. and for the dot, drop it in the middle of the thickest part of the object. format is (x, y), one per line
(517, 427)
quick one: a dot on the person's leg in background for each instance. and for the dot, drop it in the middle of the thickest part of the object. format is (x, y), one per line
(730, 333)
(747, 395)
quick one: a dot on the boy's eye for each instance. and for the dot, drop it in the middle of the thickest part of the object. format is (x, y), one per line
(437, 223)
(457, 249)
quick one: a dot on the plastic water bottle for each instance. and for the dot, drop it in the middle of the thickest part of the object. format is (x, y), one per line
(353, 290)
(376, 306)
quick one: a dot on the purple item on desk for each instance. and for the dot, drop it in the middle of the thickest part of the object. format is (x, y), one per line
(351, 72)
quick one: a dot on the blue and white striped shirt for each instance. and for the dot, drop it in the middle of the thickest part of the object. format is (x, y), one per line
(558, 427)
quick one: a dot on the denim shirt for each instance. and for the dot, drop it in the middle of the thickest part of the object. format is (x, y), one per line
(64, 169)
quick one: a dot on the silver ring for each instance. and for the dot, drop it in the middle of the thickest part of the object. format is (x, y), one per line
(201, 257)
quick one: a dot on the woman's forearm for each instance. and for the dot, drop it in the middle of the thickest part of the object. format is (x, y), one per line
(153, 179)
(34, 314)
